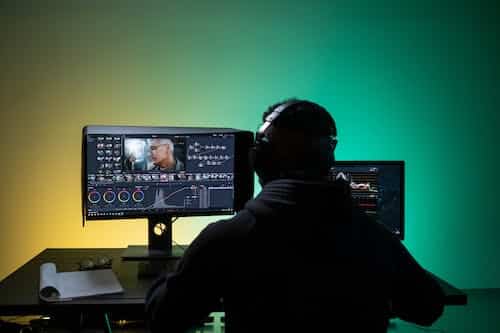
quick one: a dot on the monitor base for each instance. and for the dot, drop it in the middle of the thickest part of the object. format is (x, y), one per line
(143, 252)
(159, 245)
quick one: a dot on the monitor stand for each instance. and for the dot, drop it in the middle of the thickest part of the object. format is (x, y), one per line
(159, 242)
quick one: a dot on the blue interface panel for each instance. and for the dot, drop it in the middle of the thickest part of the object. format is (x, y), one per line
(141, 174)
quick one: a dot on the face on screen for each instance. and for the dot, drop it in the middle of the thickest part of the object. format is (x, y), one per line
(161, 153)
(143, 154)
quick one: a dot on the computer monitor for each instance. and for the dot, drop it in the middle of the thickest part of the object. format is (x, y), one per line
(160, 173)
(378, 188)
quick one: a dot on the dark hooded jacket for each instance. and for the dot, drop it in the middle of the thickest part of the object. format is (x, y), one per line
(299, 258)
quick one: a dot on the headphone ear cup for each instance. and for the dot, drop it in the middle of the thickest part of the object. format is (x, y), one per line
(331, 153)
(323, 154)
(259, 157)
(252, 157)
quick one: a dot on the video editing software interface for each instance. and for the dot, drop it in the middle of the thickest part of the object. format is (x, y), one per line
(145, 174)
(378, 187)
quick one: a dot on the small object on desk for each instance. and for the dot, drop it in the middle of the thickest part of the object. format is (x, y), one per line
(64, 286)
(99, 263)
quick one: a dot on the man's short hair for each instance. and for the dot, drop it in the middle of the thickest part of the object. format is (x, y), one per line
(304, 116)
(164, 141)
(316, 130)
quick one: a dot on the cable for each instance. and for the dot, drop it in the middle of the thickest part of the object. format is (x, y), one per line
(108, 326)
(7, 326)
(10, 319)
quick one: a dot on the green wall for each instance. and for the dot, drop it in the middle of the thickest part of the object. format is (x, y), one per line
(416, 80)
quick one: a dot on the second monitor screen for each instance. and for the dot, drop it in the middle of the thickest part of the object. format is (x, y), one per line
(378, 188)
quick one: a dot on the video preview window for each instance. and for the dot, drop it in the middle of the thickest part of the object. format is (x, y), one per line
(155, 154)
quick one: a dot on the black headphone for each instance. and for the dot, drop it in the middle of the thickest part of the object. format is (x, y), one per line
(261, 151)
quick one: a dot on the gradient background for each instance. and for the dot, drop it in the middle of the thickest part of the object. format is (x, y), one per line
(417, 81)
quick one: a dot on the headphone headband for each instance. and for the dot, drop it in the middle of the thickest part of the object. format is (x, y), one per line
(275, 114)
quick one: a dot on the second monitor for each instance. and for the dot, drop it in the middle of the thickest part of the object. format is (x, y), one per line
(378, 189)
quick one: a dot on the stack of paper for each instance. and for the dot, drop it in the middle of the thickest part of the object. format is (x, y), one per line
(68, 285)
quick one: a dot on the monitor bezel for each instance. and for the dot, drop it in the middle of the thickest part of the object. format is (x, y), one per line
(401, 164)
(243, 173)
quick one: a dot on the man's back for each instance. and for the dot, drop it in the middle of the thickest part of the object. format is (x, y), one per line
(299, 257)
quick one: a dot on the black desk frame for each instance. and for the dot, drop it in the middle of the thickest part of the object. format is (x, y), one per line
(19, 291)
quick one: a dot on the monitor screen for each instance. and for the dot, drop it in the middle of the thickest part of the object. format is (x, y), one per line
(143, 171)
(378, 188)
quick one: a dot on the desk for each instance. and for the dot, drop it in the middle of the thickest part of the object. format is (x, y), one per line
(19, 291)
(481, 315)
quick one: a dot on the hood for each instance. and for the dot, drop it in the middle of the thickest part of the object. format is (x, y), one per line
(290, 196)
